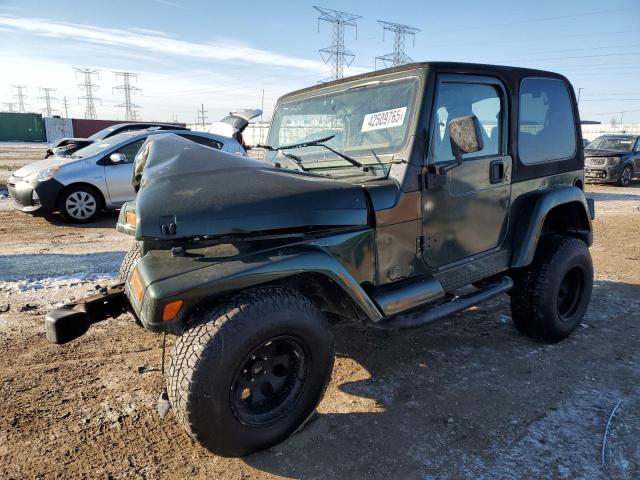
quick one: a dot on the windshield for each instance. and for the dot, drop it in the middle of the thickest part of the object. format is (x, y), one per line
(622, 144)
(369, 117)
(102, 133)
(101, 145)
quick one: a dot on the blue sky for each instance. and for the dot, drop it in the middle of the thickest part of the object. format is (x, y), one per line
(223, 54)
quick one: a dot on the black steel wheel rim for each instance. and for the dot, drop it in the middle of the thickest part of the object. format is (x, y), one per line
(570, 293)
(270, 381)
(626, 175)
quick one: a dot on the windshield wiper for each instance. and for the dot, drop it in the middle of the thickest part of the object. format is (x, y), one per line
(317, 143)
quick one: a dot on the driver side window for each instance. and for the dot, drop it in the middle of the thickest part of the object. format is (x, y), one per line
(456, 99)
(131, 149)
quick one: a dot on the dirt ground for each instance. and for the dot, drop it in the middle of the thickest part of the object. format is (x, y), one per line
(465, 398)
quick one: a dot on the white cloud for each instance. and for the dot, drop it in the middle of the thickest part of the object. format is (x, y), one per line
(159, 43)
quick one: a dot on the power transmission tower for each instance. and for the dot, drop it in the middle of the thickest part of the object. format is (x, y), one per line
(11, 106)
(88, 88)
(400, 32)
(129, 108)
(66, 107)
(201, 115)
(47, 100)
(337, 54)
(20, 96)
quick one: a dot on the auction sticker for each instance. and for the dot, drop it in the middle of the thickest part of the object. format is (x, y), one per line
(386, 119)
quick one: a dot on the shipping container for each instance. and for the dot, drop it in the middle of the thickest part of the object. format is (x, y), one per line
(83, 128)
(57, 128)
(21, 127)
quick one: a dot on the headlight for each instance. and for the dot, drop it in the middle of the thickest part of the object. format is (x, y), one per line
(613, 160)
(43, 175)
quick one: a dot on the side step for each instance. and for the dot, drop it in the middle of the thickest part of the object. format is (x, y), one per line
(74, 319)
(403, 322)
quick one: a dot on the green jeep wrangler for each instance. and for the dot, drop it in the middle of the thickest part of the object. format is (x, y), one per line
(431, 185)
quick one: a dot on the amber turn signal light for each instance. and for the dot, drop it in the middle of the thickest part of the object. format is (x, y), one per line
(171, 309)
(130, 218)
(136, 285)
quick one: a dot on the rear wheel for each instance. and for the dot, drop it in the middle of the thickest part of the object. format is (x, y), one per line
(551, 296)
(625, 176)
(250, 372)
(80, 204)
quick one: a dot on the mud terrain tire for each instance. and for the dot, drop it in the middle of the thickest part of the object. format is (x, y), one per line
(551, 296)
(248, 373)
(129, 261)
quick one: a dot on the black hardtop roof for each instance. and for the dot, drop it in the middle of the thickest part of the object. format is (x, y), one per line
(501, 71)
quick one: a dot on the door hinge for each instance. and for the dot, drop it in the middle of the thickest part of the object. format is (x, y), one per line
(420, 244)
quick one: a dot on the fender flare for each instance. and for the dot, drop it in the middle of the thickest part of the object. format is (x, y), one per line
(528, 229)
(198, 286)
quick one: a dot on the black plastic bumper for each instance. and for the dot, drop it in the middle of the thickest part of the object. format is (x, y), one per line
(74, 319)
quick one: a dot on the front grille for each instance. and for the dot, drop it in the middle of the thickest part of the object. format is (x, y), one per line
(595, 161)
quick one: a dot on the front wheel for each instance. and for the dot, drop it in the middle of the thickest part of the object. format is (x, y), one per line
(247, 374)
(625, 176)
(80, 204)
(551, 296)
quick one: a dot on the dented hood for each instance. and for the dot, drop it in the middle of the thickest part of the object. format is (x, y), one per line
(188, 190)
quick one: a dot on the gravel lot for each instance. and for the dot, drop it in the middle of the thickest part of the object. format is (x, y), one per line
(465, 398)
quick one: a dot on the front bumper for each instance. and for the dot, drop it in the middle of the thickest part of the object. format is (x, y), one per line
(604, 173)
(34, 197)
(74, 319)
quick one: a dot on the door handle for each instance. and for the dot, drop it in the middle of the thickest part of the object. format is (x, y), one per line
(496, 171)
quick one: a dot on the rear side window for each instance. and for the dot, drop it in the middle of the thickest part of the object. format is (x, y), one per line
(546, 128)
(207, 142)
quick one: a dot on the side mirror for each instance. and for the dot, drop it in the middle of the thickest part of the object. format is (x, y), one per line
(466, 136)
(118, 158)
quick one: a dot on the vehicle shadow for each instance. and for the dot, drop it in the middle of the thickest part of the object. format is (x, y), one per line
(108, 219)
(39, 266)
(470, 397)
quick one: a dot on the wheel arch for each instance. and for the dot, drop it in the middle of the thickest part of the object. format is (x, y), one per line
(68, 187)
(560, 210)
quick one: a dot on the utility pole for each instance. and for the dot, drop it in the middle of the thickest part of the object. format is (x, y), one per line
(47, 101)
(337, 54)
(66, 107)
(129, 108)
(11, 106)
(201, 115)
(579, 92)
(88, 88)
(20, 96)
(400, 32)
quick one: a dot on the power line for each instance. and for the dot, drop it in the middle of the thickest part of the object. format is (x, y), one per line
(400, 32)
(47, 100)
(88, 88)
(20, 96)
(337, 54)
(201, 115)
(533, 39)
(129, 108)
(542, 19)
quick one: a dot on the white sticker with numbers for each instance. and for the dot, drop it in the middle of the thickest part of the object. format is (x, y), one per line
(386, 119)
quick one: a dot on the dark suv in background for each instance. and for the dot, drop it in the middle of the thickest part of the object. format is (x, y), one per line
(613, 159)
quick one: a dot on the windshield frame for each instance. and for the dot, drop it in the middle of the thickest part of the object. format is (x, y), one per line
(613, 137)
(318, 160)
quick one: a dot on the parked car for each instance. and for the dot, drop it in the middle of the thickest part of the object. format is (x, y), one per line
(95, 177)
(613, 159)
(381, 193)
(66, 146)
